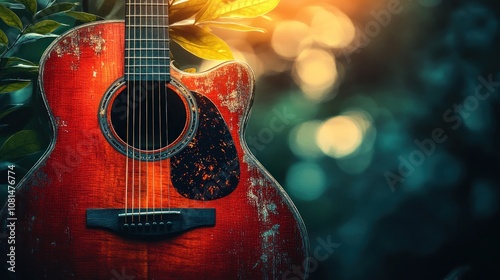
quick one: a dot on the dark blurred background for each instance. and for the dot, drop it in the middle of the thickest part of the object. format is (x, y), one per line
(378, 118)
(388, 144)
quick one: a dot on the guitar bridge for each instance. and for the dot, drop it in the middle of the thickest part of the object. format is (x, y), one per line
(147, 223)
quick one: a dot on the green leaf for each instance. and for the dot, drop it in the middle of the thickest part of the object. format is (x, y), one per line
(11, 61)
(20, 144)
(84, 17)
(19, 72)
(10, 18)
(54, 9)
(7, 111)
(31, 5)
(235, 9)
(200, 42)
(185, 10)
(3, 39)
(32, 37)
(11, 86)
(14, 118)
(14, 6)
(51, 2)
(44, 27)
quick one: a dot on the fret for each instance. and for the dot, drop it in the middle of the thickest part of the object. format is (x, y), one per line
(146, 21)
(147, 57)
(146, 33)
(147, 46)
(147, 49)
(158, 13)
(147, 62)
(148, 77)
(135, 46)
(142, 70)
(157, 55)
(146, 10)
(147, 39)
(139, 63)
(146, 4)
(156, 47)
(147, 26)
(154, 16)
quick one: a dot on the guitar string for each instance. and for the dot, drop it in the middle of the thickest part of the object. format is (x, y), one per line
(133, 111)
(128, 119)
(162, 13)
(148, 71)
(159, 124)
(160, 85)
(167, 54)
(143, 83)
(153, 121)
(137, 85)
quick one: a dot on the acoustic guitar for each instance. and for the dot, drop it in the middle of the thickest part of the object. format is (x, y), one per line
(148, 175)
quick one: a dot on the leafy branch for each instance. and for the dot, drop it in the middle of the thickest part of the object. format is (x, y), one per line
(25, 23)
(17, 73)
(191, 23)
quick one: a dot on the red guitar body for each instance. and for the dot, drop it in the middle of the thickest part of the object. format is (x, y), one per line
(258, 233)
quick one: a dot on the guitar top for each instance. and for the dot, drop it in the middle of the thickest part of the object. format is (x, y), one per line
(148, 175)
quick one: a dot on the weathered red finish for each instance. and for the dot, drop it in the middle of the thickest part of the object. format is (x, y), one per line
(258, 232)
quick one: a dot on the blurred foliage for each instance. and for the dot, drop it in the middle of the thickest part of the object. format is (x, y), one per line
(191, 22)
(27, 23)
(27, 27)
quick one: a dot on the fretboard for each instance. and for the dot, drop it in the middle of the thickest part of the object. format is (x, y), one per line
(147, 48)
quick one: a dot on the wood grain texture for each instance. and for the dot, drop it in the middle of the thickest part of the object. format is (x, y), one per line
(258, 232)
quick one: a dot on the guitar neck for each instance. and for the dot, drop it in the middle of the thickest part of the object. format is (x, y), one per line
(147, 45)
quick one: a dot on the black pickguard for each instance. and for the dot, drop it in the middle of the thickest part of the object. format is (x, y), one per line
(208, 167)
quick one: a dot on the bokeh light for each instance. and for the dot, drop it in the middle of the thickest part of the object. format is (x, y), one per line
(306, 181)
(330, 27)
(339, 136)
(290, 37)
(315, 73)
(302, 139)
(484, 199)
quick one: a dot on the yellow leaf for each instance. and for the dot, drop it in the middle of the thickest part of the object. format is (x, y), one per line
(233, 26)
(190, 70)
(175, 2)
(266, 17)
(200, 42)
(235, 9)
(182, 10)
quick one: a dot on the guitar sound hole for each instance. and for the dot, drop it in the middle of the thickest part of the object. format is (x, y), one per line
(148, 115)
